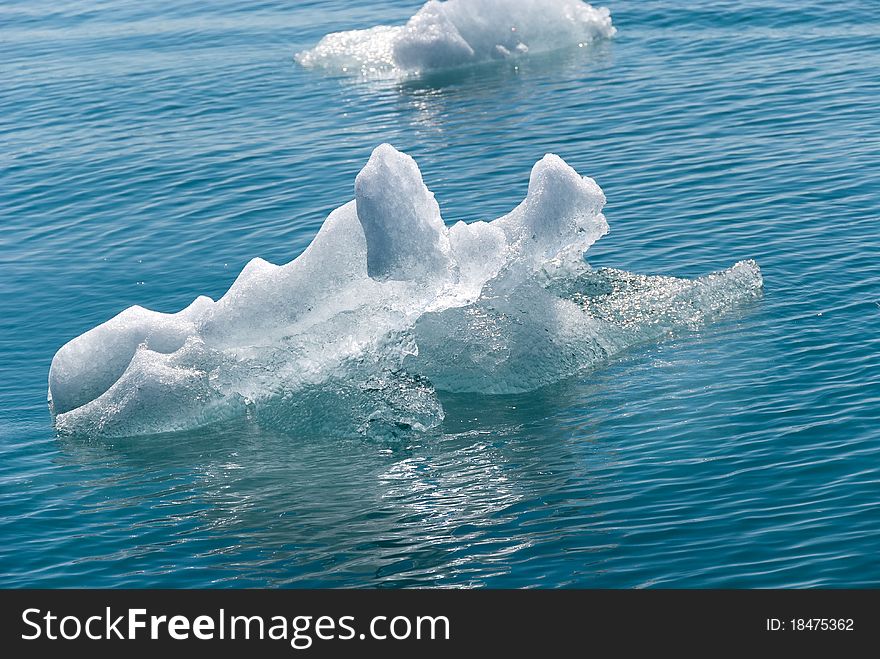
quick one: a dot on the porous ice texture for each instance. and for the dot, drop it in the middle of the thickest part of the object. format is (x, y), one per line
(454, 33)
(385, 308)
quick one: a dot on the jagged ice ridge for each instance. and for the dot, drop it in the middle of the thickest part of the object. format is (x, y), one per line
(385, 308)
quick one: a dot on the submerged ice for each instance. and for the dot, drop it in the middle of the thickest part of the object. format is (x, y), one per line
(387, 307)
(458, 32)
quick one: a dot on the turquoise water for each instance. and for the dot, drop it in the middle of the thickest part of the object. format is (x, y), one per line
(149, 153)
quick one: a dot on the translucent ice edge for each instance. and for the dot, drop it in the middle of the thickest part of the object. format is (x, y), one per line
(454, 33)
(386, 307)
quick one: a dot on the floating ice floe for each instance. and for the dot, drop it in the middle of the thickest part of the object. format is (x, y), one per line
(385, 308)
(455, 33)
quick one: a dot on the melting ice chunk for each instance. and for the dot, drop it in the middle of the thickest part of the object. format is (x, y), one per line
(448, 34)
(386, 307)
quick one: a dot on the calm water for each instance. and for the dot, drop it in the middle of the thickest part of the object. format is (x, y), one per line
(148, 153)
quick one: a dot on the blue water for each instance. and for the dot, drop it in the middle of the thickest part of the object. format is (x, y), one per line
(150, 149)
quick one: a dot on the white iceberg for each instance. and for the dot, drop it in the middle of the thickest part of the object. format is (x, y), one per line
(454, 33)
(387, 306)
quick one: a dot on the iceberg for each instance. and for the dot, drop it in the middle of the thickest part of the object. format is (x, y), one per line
(387, 308)
(443, 35)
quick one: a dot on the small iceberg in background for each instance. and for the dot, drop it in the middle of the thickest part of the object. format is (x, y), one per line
(385, 308)
(443, 35)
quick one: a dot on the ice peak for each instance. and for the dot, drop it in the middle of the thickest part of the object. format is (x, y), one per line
(406, 237)
(562, 209)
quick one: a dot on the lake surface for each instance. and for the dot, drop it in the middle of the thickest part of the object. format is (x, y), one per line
(148, 153)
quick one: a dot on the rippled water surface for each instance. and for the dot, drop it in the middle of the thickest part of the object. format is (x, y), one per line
(149, 151)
